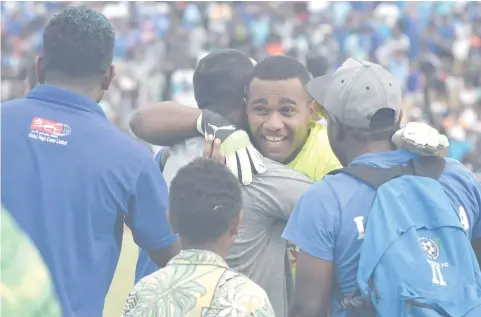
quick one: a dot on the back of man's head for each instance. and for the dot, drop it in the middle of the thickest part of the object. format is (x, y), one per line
(78, 43)
(281, 67)
(220, 79)
(363, 97)
(364, 102)
(204, 200)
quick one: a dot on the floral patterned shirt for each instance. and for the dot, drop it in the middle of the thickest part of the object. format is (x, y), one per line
(26, 289)
(197, 283)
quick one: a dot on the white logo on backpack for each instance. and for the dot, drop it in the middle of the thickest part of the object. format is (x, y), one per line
(432, 251)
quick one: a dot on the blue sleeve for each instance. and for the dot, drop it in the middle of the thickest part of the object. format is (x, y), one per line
(147, 210)
(312, 225)
(145, 266)
(467, 193)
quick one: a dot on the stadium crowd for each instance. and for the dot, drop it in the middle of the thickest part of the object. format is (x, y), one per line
(407, 38)
(313, 198)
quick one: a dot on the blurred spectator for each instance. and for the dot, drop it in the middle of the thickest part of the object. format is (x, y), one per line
(433, 48)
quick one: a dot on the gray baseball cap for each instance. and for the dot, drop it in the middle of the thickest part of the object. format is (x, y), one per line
(356, 91)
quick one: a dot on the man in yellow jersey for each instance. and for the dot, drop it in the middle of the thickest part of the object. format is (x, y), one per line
(277, 105)
(279, 116)
(259, 252)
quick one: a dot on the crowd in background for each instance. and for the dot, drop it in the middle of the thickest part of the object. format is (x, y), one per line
(433, 48)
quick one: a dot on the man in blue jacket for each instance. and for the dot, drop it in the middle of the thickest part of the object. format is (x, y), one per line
(69, 177)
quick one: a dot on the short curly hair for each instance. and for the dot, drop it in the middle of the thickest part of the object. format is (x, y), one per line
(278, 68)
(204, 199)
(78, 42)
(281, 67)
(220, 79)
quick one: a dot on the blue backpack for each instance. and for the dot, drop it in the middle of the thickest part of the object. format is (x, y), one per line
(416, 258)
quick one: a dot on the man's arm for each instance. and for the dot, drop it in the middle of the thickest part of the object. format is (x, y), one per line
(169, 123)
(147, 216)
(165, 123)
(312, 228)
(312, 299)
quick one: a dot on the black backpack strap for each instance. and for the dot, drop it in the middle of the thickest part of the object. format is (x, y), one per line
(427, 166)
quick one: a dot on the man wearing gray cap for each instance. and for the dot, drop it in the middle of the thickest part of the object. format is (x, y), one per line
(364, 105)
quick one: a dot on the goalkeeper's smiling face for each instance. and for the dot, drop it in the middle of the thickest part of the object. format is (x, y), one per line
(278, 113)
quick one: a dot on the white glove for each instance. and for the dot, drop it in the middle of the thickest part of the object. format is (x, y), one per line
(242, 159)
(421, 139)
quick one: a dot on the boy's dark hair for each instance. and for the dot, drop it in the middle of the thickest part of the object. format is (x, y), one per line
(78, 42)
(204, 199)
(280, 67)
(220, 79)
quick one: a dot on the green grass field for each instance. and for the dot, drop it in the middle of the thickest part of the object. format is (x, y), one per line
(123, 281)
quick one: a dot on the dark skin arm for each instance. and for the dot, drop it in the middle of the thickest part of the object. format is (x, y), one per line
(165, 123)
(163, 255)
(314, 282)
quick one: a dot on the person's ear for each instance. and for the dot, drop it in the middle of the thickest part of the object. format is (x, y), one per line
(108, 77)
(317, 111)
(40, 69)
(313, 113)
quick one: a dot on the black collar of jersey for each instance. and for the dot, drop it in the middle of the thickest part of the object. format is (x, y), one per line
(64, 97)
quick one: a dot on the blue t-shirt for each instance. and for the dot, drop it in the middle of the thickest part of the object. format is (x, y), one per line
(71, 179)
(323, 223)
(145, 266)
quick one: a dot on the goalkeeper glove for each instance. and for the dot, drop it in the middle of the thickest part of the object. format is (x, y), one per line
(421, 139)
(241, 157)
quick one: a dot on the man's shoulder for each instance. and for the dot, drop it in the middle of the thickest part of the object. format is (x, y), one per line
(337, 193)
(125, 148)
(230, 285)
(10, 104)
(278, 183)
(338, 182)
(454, 168)
(276, 170)
(459, 179)
(16, 108)
(317, 158)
